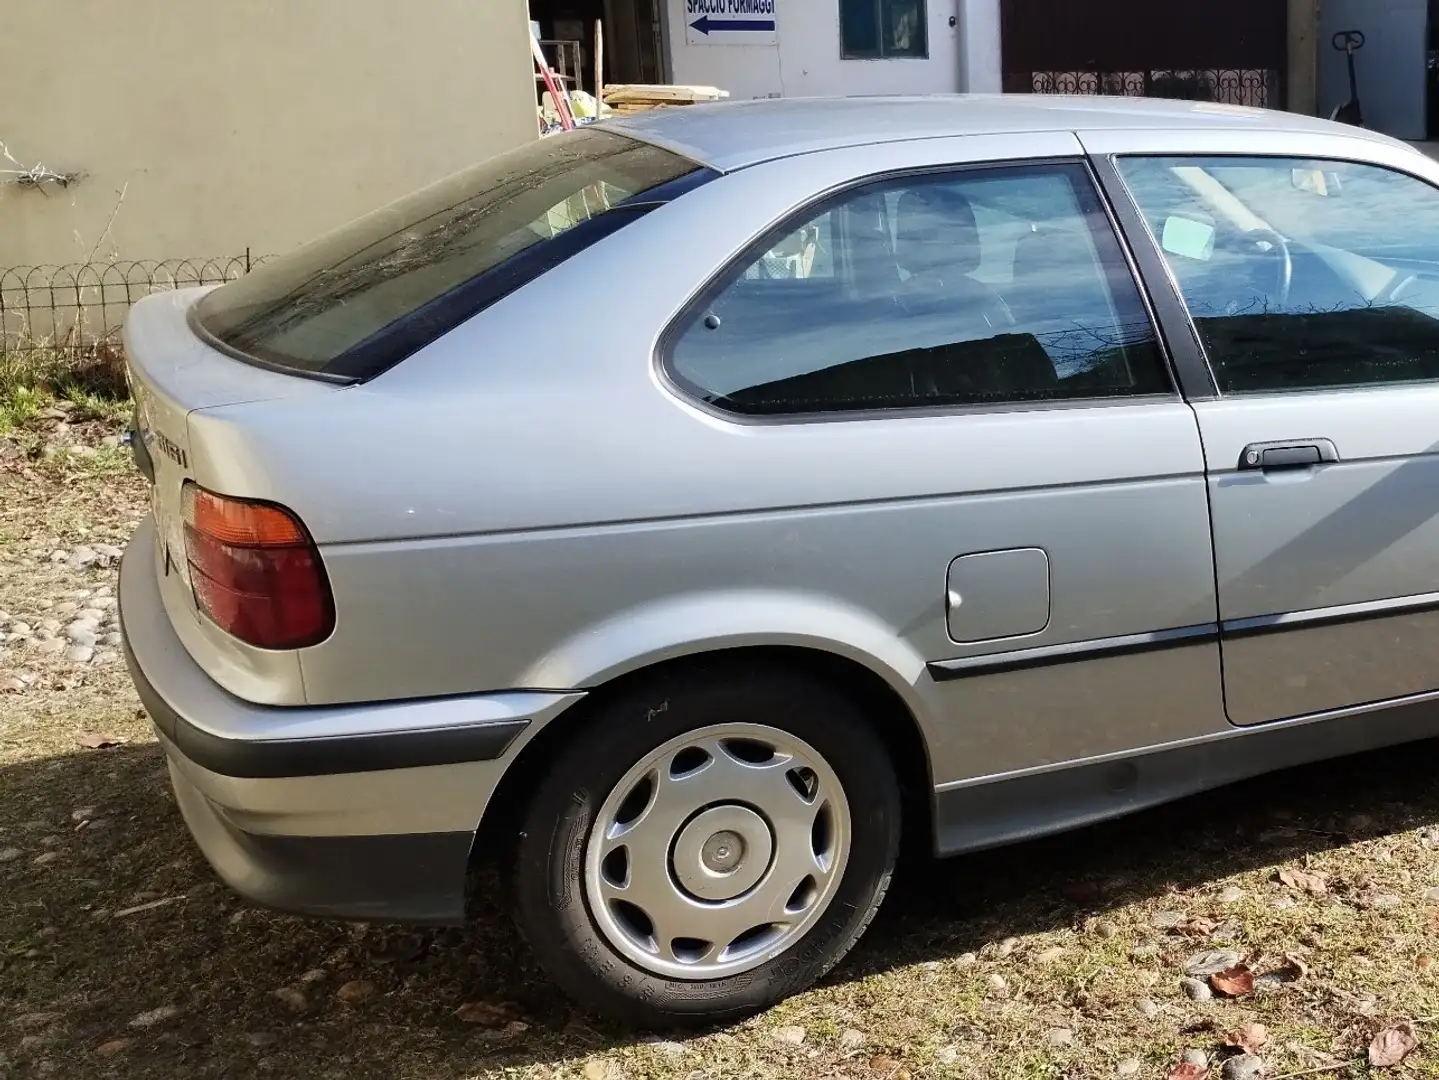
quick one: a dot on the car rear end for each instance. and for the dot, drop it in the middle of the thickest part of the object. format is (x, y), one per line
(302, 798)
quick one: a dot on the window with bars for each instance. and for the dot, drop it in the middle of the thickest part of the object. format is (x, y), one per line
(882, 29)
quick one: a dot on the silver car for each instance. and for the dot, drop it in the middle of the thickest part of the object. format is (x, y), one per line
(681, 510)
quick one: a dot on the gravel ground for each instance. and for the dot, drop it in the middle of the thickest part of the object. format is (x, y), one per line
(1283, 927)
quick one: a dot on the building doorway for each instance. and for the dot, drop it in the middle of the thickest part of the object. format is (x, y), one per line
(634, 48)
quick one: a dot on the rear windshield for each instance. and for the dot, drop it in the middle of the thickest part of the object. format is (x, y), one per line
(361, 299)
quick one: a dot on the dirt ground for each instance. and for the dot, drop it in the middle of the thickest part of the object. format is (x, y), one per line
(122, 956)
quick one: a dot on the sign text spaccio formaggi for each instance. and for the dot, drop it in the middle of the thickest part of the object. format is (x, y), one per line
(730, 22)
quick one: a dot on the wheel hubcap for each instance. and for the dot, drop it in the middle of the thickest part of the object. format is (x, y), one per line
(717, 851)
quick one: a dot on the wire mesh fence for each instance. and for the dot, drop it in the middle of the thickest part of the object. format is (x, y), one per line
(78, 308)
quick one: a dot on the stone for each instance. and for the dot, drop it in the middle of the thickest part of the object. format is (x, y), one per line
(1243, 1067)
(66, 609)
(1432, 895)
(10, 854)
(1145, 948)
(1007, 946)
(81, 635)
(1196, 989)
(668, 1047)
(792, 1035)
(60, 555)
(314, 975)
(851, 1040)
(294, 998)
(1059, 1037)
(114, 639)
(46, 858)
(109, 551)
(965, 960)
(79, 654)
(1167, 920)
(356, 991)
(1228, 930)
(1148, 1008)
(1232, 895)
(155, 1016)
(262, 1039)
(997, 983)
(1049, 956)
(106, 656)
(1195, 1057)
(1128, 1067)
(82, 558)
(1106, 929)
(1202, 965)
(21, 629)
(90, 614)
(1283, 902)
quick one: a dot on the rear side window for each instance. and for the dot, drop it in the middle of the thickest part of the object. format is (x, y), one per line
(361, 299)
(984, 287)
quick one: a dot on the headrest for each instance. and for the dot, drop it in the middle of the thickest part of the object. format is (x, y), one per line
(935, 231)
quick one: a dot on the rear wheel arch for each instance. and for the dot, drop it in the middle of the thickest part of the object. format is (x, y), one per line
(889, 715)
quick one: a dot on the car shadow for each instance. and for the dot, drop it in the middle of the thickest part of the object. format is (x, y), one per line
(105, 923)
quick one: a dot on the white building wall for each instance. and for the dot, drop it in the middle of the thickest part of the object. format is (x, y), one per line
(804, 58)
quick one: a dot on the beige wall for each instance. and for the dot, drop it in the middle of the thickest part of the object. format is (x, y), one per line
(244, 123)
(1303, 56)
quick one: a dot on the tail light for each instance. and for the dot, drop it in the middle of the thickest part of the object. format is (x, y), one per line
(255, 571)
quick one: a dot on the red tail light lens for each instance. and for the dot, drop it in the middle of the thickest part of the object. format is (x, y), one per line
(255, 571)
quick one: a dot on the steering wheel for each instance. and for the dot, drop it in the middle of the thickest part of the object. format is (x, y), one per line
(1275, 249)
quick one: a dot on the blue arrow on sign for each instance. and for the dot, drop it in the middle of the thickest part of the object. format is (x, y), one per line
(705, 25)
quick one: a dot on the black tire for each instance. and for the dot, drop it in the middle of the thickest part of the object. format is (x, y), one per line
(552, 912)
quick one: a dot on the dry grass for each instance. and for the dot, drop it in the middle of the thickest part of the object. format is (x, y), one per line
(967, 972)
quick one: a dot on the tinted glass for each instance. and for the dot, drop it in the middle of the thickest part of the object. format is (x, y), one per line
(871, 29)
(330, 307)
(978, 288)
(1299, 274)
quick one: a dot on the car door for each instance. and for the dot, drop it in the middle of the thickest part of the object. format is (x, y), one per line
(974, 335)
(1312, 280)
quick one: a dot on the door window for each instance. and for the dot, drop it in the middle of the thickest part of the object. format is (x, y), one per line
(984, 287)
(1299, 274)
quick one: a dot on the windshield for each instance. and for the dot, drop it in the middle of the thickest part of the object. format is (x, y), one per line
(360, 299)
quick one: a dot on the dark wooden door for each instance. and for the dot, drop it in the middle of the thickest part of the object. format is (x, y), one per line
(1231, 51)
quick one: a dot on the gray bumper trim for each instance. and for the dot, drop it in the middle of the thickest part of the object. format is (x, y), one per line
(412, 878)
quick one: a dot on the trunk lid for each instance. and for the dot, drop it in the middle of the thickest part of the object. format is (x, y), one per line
(172, 374)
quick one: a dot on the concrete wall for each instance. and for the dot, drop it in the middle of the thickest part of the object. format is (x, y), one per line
(804, 60)
(247, 123)
(1390, 68)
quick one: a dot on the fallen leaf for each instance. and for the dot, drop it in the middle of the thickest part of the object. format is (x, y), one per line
(1392, 1045)
(488, 1013)
(1197, 925)
(1289, 969)
(1303, 881)
(113, 1047)
(95, 740)
(145, 907)
(1236, 981)
(887, 1068)
(1186, 1070)
(1424, 962)
(356, 991)
(1248, 1037)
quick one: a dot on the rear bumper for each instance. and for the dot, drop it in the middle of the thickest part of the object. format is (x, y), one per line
(355, 811)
